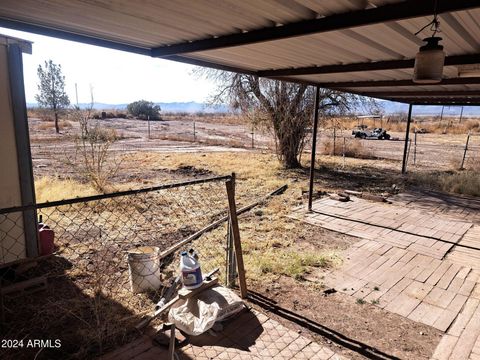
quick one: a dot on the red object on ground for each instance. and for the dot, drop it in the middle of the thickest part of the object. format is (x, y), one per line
(46, 239)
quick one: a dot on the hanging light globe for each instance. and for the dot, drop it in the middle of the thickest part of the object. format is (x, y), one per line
(429, 62)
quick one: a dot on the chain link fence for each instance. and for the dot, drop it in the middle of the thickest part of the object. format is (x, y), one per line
(107, 248)
(424, 151)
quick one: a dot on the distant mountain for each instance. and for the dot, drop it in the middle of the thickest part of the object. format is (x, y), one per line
(390, 107)
(188, 107)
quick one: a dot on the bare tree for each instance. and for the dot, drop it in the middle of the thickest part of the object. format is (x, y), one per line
(285, 108)
(51, 89)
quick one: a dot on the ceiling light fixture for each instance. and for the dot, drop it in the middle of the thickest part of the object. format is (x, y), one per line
(430, 59)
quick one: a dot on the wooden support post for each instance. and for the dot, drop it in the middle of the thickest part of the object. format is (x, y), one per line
(405, 149)
(236, 235)
(314, 149)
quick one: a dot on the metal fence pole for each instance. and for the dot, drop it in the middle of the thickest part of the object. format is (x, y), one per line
(405, 149)
(415, 148)
(465, 151)
(334, 138)
(194, 132)
(314, 149)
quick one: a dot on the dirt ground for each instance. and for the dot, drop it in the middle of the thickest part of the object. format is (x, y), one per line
(278, 252)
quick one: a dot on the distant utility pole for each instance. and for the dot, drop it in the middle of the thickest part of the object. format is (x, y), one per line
(76, 93)
(148, 122)
(461, 114)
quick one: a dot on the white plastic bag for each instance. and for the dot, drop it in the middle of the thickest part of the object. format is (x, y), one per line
(196, 315)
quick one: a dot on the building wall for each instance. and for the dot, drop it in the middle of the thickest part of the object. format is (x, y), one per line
(12, 238)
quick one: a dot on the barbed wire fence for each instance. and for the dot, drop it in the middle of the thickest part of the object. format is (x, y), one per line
(108, 248)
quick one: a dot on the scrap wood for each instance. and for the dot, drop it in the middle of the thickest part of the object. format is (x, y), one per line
(168, 293)
(367, 196)
(182, 294)
(25, 287)
(217, 223)
(339, 197)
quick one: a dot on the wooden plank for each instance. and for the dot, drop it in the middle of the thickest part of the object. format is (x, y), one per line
(27, 286)
(236, 235)
(185, 293)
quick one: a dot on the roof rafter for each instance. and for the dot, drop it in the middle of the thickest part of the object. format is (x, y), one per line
(395, 83)
(466, 94)
(391, 12)
(441, 101)
(367, 66)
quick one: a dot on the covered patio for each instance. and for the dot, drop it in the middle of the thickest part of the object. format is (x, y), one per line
(364, 47)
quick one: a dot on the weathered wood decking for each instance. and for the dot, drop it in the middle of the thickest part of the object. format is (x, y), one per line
(412, 261)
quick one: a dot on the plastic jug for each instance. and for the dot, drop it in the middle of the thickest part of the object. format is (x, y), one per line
(191, 271)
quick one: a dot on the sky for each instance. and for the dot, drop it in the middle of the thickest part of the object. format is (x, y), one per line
(116, 77)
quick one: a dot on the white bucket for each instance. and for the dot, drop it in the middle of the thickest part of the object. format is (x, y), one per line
(144, 268)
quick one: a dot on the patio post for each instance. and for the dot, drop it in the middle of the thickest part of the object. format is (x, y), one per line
(314, 148)
(405, 149)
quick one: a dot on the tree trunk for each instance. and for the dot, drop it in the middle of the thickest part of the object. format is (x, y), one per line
(288, 148)
(57, 129)
(290, 161)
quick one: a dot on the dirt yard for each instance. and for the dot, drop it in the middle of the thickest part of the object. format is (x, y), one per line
(279, 252)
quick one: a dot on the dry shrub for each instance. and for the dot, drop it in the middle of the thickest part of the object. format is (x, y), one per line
(353, 148)
(92, 157)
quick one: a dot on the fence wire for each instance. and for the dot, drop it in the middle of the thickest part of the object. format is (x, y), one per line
(423, 151)
(87, 298)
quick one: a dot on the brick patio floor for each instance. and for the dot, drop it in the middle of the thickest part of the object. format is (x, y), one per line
(404, 265)
(251, 335)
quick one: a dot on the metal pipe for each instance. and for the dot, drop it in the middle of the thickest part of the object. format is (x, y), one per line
(112, 195)
(415, 148)
(404, 163)
(314, 148)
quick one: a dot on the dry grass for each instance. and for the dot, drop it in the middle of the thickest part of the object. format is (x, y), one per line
(272, 243)
(220, 118)
(52, 189)
(206, 141)
(465, 182)
(48, 124)
(352, 148)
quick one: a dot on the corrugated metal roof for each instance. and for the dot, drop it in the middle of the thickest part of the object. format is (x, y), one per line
(152, 24)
